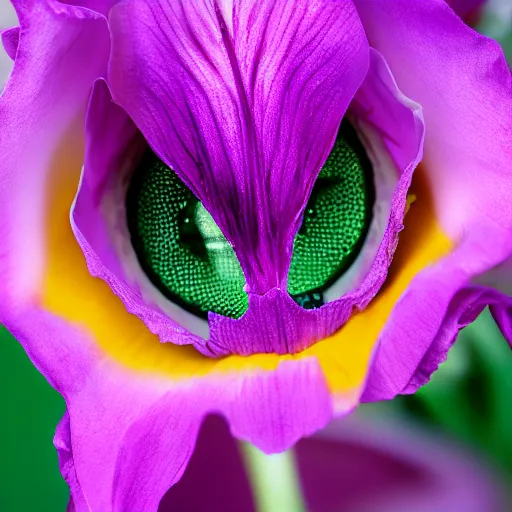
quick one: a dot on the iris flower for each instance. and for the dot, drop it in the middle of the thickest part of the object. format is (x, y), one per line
(270, 210)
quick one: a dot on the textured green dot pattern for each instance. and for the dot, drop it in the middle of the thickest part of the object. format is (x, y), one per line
(179, 245)
(336, 221)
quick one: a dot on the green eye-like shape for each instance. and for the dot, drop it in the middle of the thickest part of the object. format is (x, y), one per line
(179, 245)
(185, 255)
(336, 221)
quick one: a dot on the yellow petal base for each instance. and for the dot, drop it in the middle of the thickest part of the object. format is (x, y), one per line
(72, 293)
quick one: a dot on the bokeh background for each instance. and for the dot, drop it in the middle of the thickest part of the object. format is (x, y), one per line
(468, 401)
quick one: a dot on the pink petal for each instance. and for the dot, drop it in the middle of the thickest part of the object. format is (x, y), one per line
(464, 86)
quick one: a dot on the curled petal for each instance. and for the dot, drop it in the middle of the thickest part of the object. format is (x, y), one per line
(499, 278)
(113, 144)
(428, 49)
(41, 91)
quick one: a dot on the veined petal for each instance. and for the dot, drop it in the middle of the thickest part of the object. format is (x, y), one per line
(245, 108)
(274, 322)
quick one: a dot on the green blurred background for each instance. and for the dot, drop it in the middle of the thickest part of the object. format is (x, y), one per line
(468, 399)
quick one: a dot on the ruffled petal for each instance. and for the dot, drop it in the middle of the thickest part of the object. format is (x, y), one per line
(465, 88)
(113, 144)
(244, 102)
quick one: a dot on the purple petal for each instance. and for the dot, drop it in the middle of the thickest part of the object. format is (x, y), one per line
(42, 91)
(352, 465)
(463, 83)
(10, 40)
(468, 109)
(216, 466)
(244, 106)
(130, 436)
(466, 9)
(502, 314)
(500, 278)
(113, 144)
(387, 467)
(274, 322)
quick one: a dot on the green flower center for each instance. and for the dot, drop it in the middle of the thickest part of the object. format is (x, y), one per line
(186, 256)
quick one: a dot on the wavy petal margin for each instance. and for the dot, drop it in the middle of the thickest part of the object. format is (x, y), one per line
(463, 83)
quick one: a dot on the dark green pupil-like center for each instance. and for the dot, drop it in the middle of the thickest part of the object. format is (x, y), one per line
(186, 256)
(178, 244)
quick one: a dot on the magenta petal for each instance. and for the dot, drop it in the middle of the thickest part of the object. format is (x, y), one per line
(502, 314)
(274, 322)
(244, 105)
(426, 320)
(130, 436)
(356, 465)
(463, 309)
(62, 442)
(463, 83)
(42, 100)
(466, 9)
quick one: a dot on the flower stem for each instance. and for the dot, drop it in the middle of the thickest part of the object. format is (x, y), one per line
(274, 480)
